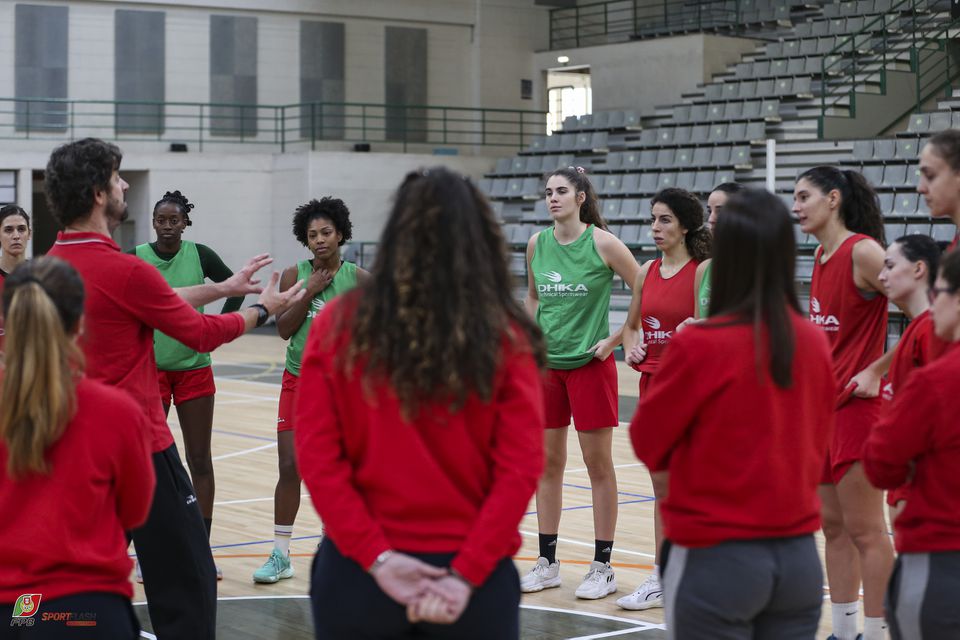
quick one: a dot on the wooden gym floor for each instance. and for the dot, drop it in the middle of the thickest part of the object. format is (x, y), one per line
(248, 375)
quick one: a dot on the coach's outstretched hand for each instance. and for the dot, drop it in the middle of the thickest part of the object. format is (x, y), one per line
(278, 301)
(243, 282)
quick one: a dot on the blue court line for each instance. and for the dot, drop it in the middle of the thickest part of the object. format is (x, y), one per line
(590, 506)
(621, 493)
(244, 435)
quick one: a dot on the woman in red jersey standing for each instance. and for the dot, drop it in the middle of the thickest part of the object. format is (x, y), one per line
(737, 396)
(918, 441)
(940, 177)
(664, 297)
(75, 471)
(846, 301)
(420, 428)
(909, 270)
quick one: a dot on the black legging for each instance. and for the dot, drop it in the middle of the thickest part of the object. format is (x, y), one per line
(348, 604)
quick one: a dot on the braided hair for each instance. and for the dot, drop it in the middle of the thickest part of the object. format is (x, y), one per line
(178, 199)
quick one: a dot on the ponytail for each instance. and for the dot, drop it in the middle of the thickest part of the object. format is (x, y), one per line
(590, 209)
(699, 243)
(859, 205)
(43, 302)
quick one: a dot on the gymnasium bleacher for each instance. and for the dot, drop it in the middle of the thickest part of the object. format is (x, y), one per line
(718, 132)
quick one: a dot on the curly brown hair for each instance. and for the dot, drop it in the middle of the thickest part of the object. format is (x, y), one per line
(439, 302)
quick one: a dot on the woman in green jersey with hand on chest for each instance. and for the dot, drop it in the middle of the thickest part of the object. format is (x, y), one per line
(322, 226)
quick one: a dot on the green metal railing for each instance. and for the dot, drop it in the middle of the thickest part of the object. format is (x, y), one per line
(290, 126)
(618, 20)
(906, 34)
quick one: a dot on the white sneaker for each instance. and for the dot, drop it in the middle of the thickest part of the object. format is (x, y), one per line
(598, 583)
(647, 596)
(544, 575)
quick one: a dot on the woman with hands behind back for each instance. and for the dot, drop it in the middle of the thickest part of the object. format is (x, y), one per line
(420, 425)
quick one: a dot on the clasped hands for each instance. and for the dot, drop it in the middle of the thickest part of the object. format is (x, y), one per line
(431, 594)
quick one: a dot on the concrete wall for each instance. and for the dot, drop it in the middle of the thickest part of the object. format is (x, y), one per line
(245, 202)
(478, 50)
(631, 75)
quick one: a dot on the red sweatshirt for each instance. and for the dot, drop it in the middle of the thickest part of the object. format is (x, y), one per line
(912, 352)
(922, 430)
(448, 482)
(126, 300)
(63, 533)
(745, 456)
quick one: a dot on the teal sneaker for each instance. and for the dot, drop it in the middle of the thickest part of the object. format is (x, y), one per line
(276, 568)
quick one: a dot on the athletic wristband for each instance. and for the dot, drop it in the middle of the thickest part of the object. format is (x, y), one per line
(381, 559)
(262, 313)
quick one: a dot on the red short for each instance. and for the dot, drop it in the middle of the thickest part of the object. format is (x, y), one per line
(184, 386)
(646, 378)
(288, 394)
(896, 495)
(854, 421)
(588, 393)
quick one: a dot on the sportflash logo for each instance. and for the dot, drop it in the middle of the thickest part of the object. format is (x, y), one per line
(828, 322)
(655, 334)
(557, 288)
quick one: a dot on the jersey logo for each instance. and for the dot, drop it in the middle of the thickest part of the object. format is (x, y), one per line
(558, 288)
(827, 322)
(655, 335)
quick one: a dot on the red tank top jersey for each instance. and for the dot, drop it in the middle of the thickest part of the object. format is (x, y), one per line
(912, 352)
(664, 304)
(856, 326)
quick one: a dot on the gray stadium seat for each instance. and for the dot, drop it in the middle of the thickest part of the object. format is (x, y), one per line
(665, 157)
(630, 208)
(884, 149)
(939, 121)
(611, 208)
(895, 175)
(893, 230)
(905, 204)
(649, 182)
(919, 123)
(886, 203)
(702, 156)
(922, 228)
(630, 234)
(683, 158)
(943, 232)
(907, 149)
(873, 174)
(863, 150)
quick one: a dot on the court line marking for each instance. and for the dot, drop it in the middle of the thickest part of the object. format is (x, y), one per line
(616, 466)
(245, 451)
(240, 394)
(610, 634)
(244, 435)
(642, 624)
(249, 500)
(578, 543)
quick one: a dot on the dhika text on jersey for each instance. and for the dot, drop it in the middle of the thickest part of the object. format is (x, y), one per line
(652, 332)
(826, 321)
(557, 288)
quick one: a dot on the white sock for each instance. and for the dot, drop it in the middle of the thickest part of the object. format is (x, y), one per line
(656, 571)
(844, 616)
(281, 537)
(874, 628)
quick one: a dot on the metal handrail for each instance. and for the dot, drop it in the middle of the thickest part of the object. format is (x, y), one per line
(615, 20)
(840, 66)
(273, 124)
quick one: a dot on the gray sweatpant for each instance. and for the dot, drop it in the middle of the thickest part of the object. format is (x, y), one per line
(745, 589)
(923, 597)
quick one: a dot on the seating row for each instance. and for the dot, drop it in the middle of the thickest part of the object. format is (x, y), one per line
(797, 86)
(727, 111)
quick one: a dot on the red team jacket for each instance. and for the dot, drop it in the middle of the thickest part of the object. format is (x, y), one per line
(745, 456)
(449, 481)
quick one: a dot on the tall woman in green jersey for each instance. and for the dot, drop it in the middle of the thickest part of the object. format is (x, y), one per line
(186, 376)
(571, 267)
(322, 226)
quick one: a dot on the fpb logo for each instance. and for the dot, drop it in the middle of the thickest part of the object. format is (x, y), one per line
(27, 605)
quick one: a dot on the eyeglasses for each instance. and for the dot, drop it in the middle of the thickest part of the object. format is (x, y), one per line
(933, 292)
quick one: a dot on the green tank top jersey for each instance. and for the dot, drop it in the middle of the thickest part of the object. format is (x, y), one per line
(344, 280)
(183, 270)
(573, 286)
(703, 295)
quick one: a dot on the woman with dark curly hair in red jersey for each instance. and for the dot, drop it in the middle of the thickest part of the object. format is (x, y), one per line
(841, 209)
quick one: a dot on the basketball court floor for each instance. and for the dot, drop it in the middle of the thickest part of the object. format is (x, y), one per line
(248, 375)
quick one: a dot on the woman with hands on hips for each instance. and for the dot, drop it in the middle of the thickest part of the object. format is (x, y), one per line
(420, 425)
